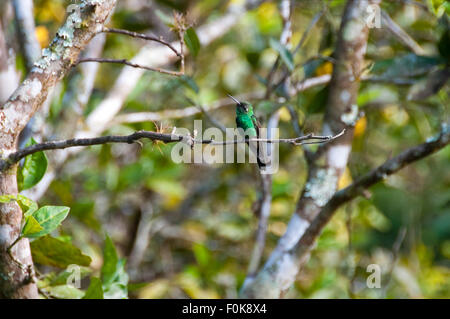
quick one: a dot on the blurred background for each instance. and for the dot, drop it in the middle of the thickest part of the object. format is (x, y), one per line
(187, 230)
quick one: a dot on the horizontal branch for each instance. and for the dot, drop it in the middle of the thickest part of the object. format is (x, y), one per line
(15, 157)
(142, 36)
(126, 62)
(297, 141)
(181, 112)
(390, 167)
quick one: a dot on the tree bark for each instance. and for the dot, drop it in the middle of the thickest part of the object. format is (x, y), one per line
(82, 24)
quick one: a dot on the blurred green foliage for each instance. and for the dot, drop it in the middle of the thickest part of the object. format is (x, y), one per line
(202, 228)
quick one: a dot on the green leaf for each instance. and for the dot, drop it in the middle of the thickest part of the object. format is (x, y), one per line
(310, 67)
(110, 260)
(64, 238)
(118, 288)
(136, 286)
(84, 211)
(33, 169)
(31, 227)
(63, 276)
(27, 205)
(166, 19)
(285, 54)
(95, 290)
(114, 276)
(202, 255)
(260, 79)
(49, 218)
(405, 66)
(444, 45)
(65, 292)
(190, 83)
(192, 41)
(368, 95)
(54, 252)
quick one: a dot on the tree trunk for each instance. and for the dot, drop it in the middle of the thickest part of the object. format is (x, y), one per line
(16, 267)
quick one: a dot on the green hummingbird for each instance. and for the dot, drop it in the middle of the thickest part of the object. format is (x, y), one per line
(246, 120)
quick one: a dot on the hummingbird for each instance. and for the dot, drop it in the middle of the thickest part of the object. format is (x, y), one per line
(246, 120)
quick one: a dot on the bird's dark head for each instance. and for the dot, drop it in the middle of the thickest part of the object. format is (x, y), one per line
(241, 107)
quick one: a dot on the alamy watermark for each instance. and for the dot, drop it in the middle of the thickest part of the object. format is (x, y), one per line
(228, 147)
(74, 278)
(374, 279)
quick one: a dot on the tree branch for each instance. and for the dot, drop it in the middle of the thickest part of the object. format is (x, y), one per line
(55, 62)
(29, 97)
(125, 62)
(15, 157)
(29, 44)
(285, 11)
(376, 175)
(297, 247)
(143, 36)
(104, 114)
(401, 34)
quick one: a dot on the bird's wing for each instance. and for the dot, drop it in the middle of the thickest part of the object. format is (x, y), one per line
(261, 157)
(256, 124)
(240, 123)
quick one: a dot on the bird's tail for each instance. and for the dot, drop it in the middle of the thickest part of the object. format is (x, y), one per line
(261, 164)
(261, 158)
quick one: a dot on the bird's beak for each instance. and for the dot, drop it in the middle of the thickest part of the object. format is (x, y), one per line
(234, 99)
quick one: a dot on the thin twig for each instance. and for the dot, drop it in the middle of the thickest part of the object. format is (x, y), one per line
(213, 121)
(285, 11)
(143, 36)
(401, 34)
(294, 120)
(9, 251)
(142, 237)
(395, 252)
(209, 117)
(181, 36)
(126, 62)
(311, 25)
(44, 294)
(297, 141)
